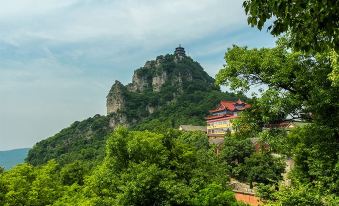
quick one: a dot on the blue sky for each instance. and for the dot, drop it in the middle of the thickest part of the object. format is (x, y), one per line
(59, 58)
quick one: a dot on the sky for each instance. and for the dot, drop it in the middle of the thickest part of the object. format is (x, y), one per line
(59, 58)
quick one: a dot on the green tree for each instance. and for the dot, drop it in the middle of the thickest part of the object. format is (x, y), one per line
(263, 168)
(298, 83)
(26, 185)
(300, 194)
(298, 88)
(3, 189)
(16, 184)
(236, 150)
(316, 157)
(245, 164)
(73, 173)
(214, 194)
(73, 195)
(302, 86)
(146, 168)
(312, 25)
(46, 187)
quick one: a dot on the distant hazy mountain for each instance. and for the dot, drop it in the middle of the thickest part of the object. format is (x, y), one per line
(13, 157)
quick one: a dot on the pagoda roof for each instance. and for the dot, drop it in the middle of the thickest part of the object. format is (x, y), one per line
(230, 106)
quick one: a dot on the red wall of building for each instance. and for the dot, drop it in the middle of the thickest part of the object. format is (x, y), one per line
(247, 198)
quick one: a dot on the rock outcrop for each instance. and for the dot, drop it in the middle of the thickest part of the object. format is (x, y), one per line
(115, 98)
(159, 82)
(118, 119)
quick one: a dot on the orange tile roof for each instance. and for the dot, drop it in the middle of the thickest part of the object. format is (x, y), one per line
(229, 105)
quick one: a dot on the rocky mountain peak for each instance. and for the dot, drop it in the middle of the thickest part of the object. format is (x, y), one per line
(115, 98)
(171, 72)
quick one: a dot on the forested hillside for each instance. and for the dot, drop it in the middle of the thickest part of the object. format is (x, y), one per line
(82, 140)
(183, 96)
(139, 168)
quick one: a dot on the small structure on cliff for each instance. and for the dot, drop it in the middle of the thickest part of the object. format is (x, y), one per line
(180, 51)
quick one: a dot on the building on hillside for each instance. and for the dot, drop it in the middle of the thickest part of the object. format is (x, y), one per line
(219, 119)
(180, 51)
(192, 128)
(287, 125)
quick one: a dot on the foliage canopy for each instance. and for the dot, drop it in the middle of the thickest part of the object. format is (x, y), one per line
(312, 25)
(139, 168)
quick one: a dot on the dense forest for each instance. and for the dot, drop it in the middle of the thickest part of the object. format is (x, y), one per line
(142, 168)
(301, 73)
(139, 168)
(152, 163)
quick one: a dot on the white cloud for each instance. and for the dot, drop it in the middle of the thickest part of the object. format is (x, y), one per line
(23, 8)
(128, 20)
(58, 58)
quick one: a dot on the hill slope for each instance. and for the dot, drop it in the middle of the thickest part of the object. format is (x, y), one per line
(13, 157)
(166, 92)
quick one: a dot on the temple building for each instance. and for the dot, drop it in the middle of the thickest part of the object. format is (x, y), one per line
(219, 120)
(179, 51)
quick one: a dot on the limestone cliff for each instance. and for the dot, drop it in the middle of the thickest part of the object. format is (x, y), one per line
(172, 69)
(158, 83)
(115, 98)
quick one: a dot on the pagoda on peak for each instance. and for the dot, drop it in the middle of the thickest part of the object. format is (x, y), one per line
(180, 51)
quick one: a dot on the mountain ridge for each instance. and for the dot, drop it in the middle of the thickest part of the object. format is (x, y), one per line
(166, 92)
(170, 74)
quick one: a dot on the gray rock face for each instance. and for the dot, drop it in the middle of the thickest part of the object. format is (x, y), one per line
(139, 83)
(170, 74)
(150, 109)
(115, 98)
(149, 77)
(118, 119)
(158, 81)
